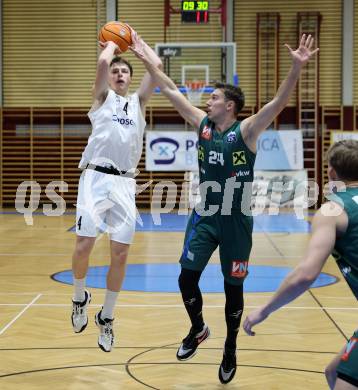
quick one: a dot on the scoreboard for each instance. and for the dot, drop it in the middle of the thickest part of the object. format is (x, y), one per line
(194, 11)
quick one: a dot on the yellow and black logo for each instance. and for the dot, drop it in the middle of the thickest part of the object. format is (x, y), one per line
(238, 158)
(201, 153)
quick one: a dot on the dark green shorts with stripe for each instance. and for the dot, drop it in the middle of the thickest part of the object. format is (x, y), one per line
(233, 235)
(348, 366)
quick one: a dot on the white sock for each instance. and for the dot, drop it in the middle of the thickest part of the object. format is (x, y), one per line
(109, 304)
(79, 294)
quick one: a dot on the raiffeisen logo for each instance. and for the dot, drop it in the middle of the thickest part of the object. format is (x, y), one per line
(164, 149)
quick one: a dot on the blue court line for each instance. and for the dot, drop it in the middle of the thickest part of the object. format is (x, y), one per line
(285, 223)
(164, 278)
(282, 223)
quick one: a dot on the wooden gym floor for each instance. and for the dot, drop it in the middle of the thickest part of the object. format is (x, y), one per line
(38, 349)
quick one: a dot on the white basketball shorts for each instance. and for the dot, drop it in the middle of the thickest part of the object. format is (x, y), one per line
(106, 203)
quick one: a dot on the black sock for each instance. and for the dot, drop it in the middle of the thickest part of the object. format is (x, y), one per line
(234, 307)
(192, 298)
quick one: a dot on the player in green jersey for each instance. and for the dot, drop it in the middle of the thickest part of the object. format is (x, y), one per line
(334, 230)
(226, 158)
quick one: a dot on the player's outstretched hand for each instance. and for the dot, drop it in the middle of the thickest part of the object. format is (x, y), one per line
(133, 32)
(103, 45)
(304, 52)
(137, 46)
(254, 318)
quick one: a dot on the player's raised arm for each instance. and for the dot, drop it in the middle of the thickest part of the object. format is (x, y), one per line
(100, 86)
(300, 279)
(253, 126)
(148, 83)
(191, 114)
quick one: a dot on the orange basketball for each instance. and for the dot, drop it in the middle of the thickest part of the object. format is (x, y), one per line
(117, 32)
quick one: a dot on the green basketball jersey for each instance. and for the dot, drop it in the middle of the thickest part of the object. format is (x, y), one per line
(226, 167)
(346, 247)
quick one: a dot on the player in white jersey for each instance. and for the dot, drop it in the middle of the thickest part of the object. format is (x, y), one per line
(106, 191)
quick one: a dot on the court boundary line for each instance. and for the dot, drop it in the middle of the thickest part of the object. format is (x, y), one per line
(175, 347)
(130, 294)
(2, 331)
(328, 315)
(133, 256)
(171, 306)
(152, 363)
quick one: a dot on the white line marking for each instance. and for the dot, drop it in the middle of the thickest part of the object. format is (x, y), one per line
(132, 294)
(166, 306)
(20, 314)
(168, 256)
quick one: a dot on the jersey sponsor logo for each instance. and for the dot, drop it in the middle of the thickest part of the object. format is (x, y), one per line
(239, 268)
(239, 158)
(206, 133)
(349, 348)
(231, 137)
(201, 153)
(122, 121)
(240, 173)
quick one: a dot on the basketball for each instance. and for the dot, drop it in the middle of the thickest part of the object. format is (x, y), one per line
(117, 32)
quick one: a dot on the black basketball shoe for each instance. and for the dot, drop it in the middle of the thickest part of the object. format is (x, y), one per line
(191, 342)
(227, 367)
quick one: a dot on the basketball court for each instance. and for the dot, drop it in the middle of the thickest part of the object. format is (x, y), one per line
(38, 347)
(201, 43)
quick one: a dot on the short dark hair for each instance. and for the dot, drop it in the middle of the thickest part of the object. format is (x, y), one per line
(342, 156)
(120, 60)
(231, 92)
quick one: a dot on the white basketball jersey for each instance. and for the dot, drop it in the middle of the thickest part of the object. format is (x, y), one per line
(117, 133)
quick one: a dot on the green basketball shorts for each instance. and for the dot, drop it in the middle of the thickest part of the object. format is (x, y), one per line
(233, 235)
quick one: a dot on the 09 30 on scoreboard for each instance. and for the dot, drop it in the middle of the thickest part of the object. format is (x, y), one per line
(194, 11)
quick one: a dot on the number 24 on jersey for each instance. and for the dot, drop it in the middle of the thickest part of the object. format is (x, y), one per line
(216, 158)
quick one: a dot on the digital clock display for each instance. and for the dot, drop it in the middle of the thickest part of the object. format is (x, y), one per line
(194, 11)
(195, 5)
